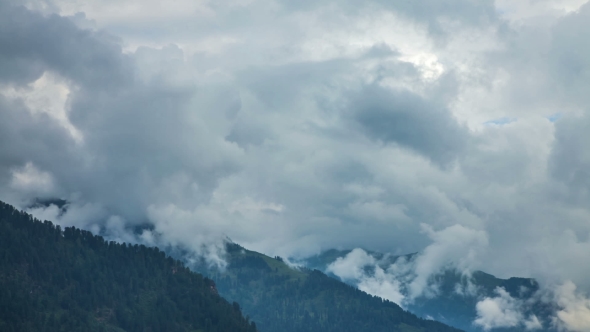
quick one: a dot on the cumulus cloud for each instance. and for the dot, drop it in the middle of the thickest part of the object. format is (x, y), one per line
(455, 247)
(504, 311)
(351, 266)
(95, 146)
(500, 311)
(575, 308)
(403, 279)
(31, 180)
(367, 274)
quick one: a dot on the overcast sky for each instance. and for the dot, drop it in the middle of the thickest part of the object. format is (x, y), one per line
(297, 126)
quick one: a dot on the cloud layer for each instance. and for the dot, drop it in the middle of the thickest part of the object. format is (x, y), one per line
(292, 128)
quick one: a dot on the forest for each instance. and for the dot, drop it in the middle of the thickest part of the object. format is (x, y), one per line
(281, 298)
(450, 306)
(54, 279)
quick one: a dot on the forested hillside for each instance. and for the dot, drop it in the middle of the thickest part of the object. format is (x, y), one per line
(281, 299)
(449, 306)
(71, 280)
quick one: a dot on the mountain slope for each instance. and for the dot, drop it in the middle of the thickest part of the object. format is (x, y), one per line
(71, 280)
(280, 298)
(456, 295)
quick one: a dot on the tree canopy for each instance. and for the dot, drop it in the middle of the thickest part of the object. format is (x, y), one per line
(54, 279)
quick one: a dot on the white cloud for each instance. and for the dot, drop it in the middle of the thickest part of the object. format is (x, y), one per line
(575, 312)
(48, 95)
(32, 181)
(505, 311)
(500, 311)
(532, 323)
(455, 247)
(523, 10)
(385, 285)
(351, 266)
(377, 282)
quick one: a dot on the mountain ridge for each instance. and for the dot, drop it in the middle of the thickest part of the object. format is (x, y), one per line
(54, 279)
(281, 298)
(450, 305)
(71, 280)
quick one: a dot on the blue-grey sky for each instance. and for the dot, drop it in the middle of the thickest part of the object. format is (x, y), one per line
(296, 126)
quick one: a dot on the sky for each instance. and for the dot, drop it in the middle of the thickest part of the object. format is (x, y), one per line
(451, 127)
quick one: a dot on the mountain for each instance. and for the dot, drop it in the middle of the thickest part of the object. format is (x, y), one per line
(71, 280)
(281, 298)
(457, 295)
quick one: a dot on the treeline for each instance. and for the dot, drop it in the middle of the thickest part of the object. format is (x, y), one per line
(71, 280)
(279, 298)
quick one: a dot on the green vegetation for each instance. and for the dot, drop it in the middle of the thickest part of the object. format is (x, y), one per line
(280, 298)
(460, 310)
(70, 280)
(450, 307)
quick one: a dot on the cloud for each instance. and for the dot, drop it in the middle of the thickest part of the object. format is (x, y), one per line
(293, 128)
(505, 311)
(575, 312)
(32, 180)
(100, 144)
(570, 162)
(384, 285)
(351, 266)
(455, 247)
(405, 118)
(532, 323)
(367, 274)
(402, 280)
(497, 312)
